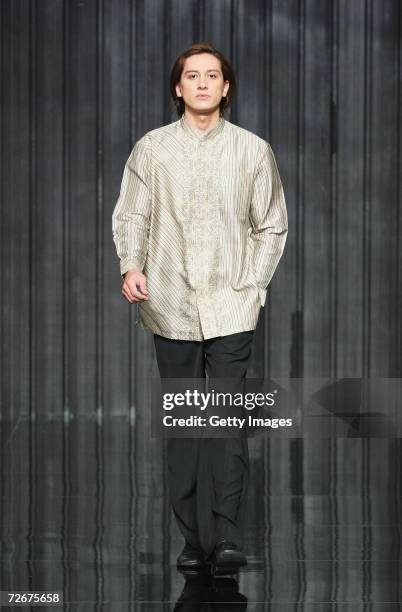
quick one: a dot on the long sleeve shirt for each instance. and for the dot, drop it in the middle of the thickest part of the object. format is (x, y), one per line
(203, 216)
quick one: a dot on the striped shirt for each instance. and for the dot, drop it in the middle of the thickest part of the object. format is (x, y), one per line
(203, 216)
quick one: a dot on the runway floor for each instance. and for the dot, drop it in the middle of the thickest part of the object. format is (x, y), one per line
(85, 511)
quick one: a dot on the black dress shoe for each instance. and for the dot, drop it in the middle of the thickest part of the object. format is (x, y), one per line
(190, 557)
(227, 558)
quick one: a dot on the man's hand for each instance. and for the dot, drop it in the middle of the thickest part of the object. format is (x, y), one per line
(135, 286)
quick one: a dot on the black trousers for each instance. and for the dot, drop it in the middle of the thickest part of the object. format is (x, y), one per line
(207, 477)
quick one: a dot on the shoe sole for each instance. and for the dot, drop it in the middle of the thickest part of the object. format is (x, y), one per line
(196, 571)
(227, 568)
(190, 565)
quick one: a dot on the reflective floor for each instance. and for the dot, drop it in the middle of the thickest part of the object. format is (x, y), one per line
(85, 511)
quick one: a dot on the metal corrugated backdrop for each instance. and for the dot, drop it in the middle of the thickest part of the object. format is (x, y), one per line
(83, 80)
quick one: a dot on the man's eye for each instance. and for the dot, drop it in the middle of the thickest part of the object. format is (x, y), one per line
(193, 75)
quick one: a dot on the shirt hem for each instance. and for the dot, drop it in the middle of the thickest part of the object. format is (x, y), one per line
(183, 335)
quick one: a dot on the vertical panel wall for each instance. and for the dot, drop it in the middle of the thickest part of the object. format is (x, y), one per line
(82, 81)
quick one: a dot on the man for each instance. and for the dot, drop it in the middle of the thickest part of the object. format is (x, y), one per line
(200, 226)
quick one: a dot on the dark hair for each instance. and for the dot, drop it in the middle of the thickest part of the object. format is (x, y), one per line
(227, 70)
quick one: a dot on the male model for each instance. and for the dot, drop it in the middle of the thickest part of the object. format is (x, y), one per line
(200, 226)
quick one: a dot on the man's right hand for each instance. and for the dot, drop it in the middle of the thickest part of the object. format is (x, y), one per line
(135, 286)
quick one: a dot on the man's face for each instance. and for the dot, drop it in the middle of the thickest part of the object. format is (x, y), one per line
(202, 75)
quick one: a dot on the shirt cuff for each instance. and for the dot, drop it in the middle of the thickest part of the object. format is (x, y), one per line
(130, 264)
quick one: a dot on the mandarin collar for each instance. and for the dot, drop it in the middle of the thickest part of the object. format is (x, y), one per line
(199, 136)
